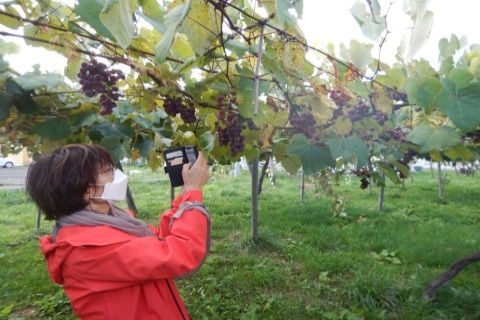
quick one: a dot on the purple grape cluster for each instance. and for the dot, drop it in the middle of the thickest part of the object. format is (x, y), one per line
(304, 123)
(96, 78)
(381, 117)
(392, 134)
(338, 97)
(364, 175)
(361, 108)
(176, 105)
(230, 124)
(396, 95)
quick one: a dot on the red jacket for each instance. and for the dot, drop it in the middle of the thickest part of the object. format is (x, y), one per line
(109, 274)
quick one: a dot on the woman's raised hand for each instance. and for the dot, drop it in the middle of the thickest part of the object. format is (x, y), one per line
(195, 176)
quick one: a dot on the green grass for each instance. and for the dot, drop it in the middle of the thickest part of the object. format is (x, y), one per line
(307, 263)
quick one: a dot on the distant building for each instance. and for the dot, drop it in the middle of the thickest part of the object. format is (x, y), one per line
(22, 158)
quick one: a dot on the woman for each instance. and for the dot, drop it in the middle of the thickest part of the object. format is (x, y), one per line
(111, 265)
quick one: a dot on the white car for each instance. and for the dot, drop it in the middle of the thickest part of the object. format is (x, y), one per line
(6, 162)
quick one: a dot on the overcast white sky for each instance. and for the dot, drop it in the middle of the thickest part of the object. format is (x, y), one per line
(331, 22)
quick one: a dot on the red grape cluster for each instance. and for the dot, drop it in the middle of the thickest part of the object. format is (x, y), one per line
(96, 78)
(304, 123)
(360, 109)
(184, 107)
(338, 97)
(364, 174)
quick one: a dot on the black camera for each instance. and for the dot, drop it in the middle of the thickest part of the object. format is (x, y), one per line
(175, 159)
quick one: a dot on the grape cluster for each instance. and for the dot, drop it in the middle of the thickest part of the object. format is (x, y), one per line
(396, 95)
(304, 123)
(338, 97)
(176, 105)
(361, 108)
(381, 117)
(96, 78)
(473, 136)
(230, 124)
(400, 173)
(364, 175)
(392, 134)
(406, 159)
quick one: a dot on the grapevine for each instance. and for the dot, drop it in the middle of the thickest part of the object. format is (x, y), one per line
(96, 78)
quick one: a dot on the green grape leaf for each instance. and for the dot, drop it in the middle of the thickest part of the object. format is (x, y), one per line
(462, 77)
(116, 16)
(360, 54)
(462, 106)
(237, 47)
(84, 118)
(430, 139)
(151, 9)
(144, 145)
(350, 150)
(291, 163)
(388, 170)
(283, 10)
(89, 11)
(423, 22)
(357, 148)
(157, 24)
(8, 47)
(10, 22)
(99, 131)
(313, 158)
(21, 99)
(32, 80)
(172, 20)
(115, 146)
(52, 128)
(371, 23)
(6, 104)
(448, 48)
(423, 93)
(206, 142)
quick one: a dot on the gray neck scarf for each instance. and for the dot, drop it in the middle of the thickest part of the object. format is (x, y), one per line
(119, 220)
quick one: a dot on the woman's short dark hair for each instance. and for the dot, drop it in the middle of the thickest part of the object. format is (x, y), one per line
(57, 183)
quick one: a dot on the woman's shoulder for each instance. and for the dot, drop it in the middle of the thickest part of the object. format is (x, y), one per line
(92, 235)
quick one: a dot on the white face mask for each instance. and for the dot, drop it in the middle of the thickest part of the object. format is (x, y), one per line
(116, 190)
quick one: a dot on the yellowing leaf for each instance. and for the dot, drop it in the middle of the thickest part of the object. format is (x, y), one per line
(154, 160)
(343, 126)
(460, 152)
(265, 140)
(383, 102)
(201, 25)
(181, 48)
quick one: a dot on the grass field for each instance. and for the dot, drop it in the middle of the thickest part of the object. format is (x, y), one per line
(307, 264)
